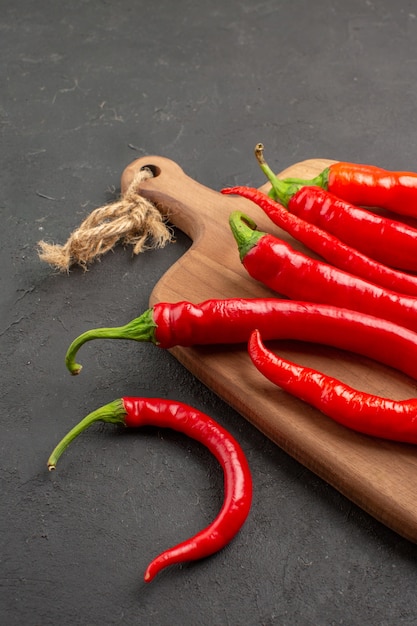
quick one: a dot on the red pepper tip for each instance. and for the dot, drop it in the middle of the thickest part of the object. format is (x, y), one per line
(239, 191)
(255, 338)
(155, 567)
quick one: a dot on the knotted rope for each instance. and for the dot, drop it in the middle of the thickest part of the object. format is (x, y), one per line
(132, 220)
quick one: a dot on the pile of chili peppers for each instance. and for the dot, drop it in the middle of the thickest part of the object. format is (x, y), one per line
(361, 296)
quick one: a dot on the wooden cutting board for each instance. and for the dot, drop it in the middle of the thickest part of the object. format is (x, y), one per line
(379, 476)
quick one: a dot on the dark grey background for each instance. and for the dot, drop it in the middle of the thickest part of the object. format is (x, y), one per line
(86, 87)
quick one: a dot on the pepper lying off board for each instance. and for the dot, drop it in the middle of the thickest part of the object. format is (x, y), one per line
(378, 476)
(163, 413)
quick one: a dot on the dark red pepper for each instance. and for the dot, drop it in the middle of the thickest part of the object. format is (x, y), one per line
(297, 276)
(233, 320)
(136, 412)
(328, 246)
(373, 415)
(388, 241)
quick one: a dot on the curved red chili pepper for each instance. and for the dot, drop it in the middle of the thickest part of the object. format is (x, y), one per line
(328, 246)
(136, 412)
(293, 274)
(383, 239)
(233, 320)
(369, 414)
(368, 185)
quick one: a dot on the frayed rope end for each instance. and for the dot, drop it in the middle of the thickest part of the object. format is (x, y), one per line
(131, 220)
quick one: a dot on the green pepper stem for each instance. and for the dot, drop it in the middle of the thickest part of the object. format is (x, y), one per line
(244, 232)
(113, 413)
(282, 190)
(139, 329)
(321, 180)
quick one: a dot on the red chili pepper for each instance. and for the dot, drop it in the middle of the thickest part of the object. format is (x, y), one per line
(385, 240)
(293, 274)
(373, 415)
(368, 185)
(233, 320)
(328, 246)
(135, 412)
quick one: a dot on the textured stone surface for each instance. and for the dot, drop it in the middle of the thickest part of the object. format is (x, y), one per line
(86, 88)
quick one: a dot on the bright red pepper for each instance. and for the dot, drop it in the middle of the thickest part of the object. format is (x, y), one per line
(368, 185)
(233, 320)
(297, 276)
(388, 241)
(373, 415)
(328, 246)
(136, 412)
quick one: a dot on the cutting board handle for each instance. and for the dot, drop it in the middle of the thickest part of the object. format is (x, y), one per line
(191, 206)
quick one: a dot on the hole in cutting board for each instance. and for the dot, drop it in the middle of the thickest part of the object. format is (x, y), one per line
(156, 171)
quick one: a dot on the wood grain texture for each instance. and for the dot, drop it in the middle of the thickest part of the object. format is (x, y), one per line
(378, 476)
